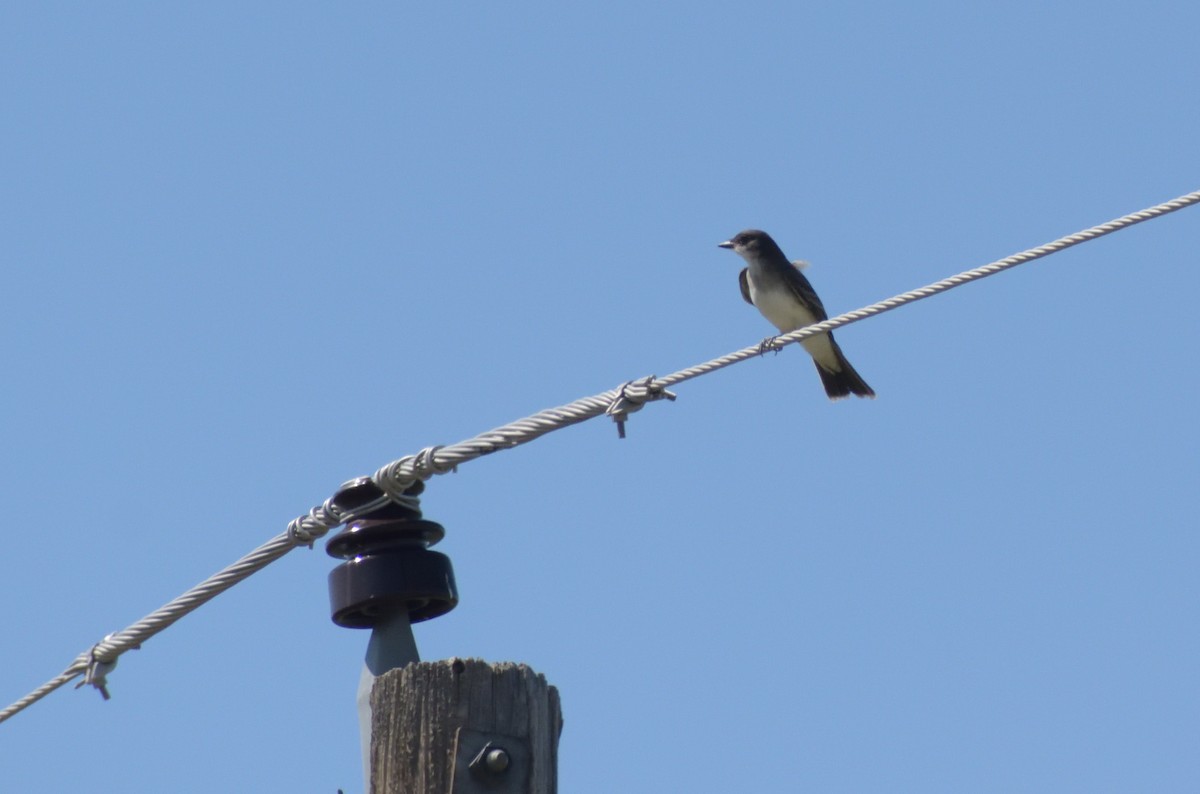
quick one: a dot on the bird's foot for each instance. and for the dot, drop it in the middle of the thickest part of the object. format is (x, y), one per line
(769, 344)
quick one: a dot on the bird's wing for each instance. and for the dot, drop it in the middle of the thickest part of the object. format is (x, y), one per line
(800, 287)
(745, 285)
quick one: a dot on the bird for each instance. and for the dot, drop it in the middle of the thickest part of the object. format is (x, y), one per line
(781, 293)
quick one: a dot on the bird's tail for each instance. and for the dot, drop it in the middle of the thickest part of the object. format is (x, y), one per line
(846, 382)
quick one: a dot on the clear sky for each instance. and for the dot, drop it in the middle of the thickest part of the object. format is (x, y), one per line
(253, 250)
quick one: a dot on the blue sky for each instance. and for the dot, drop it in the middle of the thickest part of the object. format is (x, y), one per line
(253, 251)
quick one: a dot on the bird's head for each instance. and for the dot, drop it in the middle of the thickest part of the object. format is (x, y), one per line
(751, 243)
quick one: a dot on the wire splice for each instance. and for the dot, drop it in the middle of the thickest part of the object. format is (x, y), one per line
(97, 671)
(631, 396)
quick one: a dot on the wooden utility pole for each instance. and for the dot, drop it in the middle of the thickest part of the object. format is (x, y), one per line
(462, 726)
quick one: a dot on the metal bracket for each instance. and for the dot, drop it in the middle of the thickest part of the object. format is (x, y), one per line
(490, 763)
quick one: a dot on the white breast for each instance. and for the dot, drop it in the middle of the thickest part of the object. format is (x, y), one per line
(779, 306)
(785, 312)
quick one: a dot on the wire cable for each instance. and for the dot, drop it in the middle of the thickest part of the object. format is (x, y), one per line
(400, 474)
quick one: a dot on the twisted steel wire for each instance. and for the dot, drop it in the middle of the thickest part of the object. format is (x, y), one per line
(400, 474)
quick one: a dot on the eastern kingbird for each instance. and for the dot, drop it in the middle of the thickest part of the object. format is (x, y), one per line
(778, 289)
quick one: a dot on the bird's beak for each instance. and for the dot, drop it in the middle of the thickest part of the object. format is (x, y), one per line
(726, 244)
